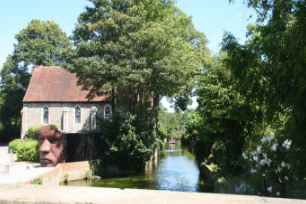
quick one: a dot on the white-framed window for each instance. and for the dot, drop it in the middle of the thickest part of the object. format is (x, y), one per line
(45, 115)
(107, 112)
(93, 114)
(65, 119)
(77, 115)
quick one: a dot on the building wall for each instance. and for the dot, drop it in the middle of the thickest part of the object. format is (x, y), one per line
(32, 115)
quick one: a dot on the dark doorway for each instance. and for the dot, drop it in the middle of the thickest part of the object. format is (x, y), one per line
(75, 149)
(83, 146)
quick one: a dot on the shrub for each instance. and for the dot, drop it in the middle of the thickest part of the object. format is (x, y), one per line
(214, 167)
(37, 181)
(33, 132)
(13, 145)
(64, 179)
(28, 151)
(88, 174)
(128, 141)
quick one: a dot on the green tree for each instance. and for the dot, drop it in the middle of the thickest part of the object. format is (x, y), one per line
(141, 48)
(270, 70)
(40, 43)
(226, 120)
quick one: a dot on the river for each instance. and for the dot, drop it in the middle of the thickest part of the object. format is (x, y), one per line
(174, 170)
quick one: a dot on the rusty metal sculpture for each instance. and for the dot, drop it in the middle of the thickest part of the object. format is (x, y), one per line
(51, 146)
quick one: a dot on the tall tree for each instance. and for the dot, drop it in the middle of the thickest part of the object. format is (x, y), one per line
(40, 43)
(271, 69)
(143, 48)
(226, 121)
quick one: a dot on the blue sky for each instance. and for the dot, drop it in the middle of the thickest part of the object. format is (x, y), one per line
(212, 17)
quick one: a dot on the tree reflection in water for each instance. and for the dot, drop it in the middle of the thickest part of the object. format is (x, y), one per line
(174, 170)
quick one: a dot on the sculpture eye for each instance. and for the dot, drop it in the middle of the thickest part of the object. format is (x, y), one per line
(56, 140)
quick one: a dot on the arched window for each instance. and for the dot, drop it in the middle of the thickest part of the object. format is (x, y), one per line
(107, 112)
(77, 115)
(45, 115)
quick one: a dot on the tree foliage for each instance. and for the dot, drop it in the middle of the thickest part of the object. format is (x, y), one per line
(223, 119)
(270, 69)
(40, 43)
(132, 50)
(172, 124)
(128, 142)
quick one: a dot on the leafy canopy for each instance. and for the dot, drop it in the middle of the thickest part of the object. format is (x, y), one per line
(40, 43)
(143, 47)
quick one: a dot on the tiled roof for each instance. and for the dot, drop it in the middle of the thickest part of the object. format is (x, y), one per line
(55, 84)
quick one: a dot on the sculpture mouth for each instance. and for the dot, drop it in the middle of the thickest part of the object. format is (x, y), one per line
(45, 162)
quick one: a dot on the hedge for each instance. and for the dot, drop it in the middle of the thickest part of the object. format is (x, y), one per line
(28, 150)
(13, 145)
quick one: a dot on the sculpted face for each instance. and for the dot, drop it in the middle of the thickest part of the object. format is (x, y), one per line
(51, 146)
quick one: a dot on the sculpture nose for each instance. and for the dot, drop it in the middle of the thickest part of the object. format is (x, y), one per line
(45, 146)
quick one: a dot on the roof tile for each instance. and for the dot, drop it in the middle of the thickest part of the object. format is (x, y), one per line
(55, 84)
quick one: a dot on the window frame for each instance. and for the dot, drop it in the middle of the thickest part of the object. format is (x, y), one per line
(80, 115)
(42, 121)
(104, 111)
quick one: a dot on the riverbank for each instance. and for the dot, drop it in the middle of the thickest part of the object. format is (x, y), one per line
(14, 193)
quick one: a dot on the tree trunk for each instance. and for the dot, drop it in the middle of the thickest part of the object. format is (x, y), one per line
(156, 106)
(130, 99)
(113, 99)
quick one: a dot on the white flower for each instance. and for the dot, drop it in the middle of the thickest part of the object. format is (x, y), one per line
(255, 158)
(277, 193)
(288, 166)
(280, 180)
(279, 169)
(286, 178)
(253, 171)
(270, 189)
(269, 138)
(254, 153)
(244, 155)
(274, 147)
(259, 149)
(263, 175)
(287, 144)
(269, 162)
(265, 156)
(262, 162)
(243, 188)
(283, 164)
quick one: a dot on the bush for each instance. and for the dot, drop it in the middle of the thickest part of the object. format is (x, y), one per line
(37, 181)
(88, 174)
(13, 145)
(128, 141)
(28, 151)
(64, 179)
(33, 132)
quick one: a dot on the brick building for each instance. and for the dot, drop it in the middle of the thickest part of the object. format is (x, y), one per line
(53, 97)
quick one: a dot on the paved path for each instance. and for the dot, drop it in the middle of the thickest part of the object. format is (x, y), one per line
(13, 193)
(21, 171)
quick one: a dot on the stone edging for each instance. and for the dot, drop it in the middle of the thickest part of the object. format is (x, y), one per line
(76, 171)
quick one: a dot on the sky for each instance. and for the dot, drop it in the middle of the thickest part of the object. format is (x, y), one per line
(212, 17)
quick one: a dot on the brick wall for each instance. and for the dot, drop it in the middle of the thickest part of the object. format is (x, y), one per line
(76, 171)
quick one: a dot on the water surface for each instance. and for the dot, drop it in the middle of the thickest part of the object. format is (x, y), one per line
(174, 170)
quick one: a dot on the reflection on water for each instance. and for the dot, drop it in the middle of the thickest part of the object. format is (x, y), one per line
(174, 170)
